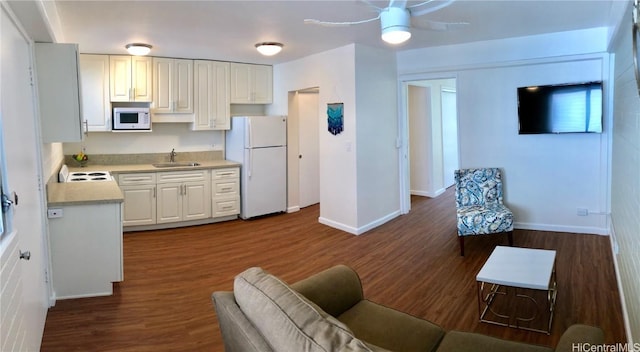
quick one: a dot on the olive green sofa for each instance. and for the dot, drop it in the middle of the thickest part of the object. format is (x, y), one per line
(327, 312)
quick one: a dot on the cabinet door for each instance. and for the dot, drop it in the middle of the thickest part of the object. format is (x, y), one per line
(240, 83)
(141, 78)
(262, 84)
(139, 205)
(94, 75)
(183, 86)
(120, 77)
(162, 85)
(57, 69)
(169, 207)
(211, 95)
(196, 201)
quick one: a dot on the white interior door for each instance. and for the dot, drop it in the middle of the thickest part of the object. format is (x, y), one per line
(309, 141)
(25, 311)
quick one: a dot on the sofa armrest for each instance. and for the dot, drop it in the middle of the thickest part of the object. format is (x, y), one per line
(238, 334)
(577, 335)
(335, 290)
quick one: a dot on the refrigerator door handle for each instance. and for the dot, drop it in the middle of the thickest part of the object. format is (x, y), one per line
(249, 162)
(249, 134)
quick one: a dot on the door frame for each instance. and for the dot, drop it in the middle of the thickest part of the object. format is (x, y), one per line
(403, 129)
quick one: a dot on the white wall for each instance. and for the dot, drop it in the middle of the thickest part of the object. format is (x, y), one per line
(365, 146)
(378, 176)
(625, 185)
(163, 138)
(333, 72)
(547, 177)
(420, 154)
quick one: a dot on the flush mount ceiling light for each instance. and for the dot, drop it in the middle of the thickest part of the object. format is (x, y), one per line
(269, 48)
(395, 25)
(138, 49)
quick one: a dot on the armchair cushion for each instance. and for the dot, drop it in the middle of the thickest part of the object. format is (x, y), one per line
(391, 329)
(480, 209)
(287, 320)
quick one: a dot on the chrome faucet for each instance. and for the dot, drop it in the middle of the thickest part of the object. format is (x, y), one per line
(172, 156)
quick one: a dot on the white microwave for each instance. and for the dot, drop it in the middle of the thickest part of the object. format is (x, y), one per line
(131, 118)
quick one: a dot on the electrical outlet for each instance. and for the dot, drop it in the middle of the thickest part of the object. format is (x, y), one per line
(583, 211)
(55, 213)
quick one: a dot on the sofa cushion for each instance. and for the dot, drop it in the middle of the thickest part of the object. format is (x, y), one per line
(391, 329)
(286, 319)
(457, 341)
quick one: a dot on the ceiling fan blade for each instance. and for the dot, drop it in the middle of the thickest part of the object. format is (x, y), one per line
(398, 3)
(338, 24)
(440, 26)
(431, 9)
(370, 4)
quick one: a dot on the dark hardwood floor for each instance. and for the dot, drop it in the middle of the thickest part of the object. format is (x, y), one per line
(411, 263)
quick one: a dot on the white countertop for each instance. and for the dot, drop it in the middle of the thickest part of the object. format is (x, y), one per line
(77, 193)
(519, 267)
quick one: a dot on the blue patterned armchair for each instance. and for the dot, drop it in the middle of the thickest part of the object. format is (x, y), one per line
(479, 204)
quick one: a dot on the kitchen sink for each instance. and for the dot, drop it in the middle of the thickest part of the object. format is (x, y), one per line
(176, 164)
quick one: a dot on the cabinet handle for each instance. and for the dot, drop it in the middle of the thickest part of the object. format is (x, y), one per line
(226, 189)
(86, 127)
(154, 192)
(134, 93)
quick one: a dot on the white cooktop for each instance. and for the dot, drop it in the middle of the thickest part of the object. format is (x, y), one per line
(83, 176)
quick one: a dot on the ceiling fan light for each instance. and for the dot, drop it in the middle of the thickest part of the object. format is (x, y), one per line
(138, 49)
(269, 48)
(395, 22)
(396, 35)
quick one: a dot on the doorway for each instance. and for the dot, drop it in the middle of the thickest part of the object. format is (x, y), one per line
(432, 136)
(304, 148)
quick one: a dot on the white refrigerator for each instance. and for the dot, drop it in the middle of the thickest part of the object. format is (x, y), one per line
(259, 143)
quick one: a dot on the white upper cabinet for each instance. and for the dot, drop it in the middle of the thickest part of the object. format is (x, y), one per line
(130, 78)
(173, 86)
(94, 77)
(211, 95)
(58, 92)
(251, 84)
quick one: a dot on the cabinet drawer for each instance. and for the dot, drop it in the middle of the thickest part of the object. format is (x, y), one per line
(137, 179)
(226, 173)
(225, 188)
(224, 207)
(183, 176)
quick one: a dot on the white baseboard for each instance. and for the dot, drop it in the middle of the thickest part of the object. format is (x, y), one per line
(561, 228)
(623, 305)
(362, 229)
(427, 193)
(293, 209)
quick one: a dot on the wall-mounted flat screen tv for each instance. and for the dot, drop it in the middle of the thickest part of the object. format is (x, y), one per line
(563, 108)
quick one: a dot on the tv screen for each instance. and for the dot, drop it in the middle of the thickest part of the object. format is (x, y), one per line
(567, 108)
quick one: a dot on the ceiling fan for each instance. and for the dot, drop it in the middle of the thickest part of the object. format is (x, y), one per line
(395, 19)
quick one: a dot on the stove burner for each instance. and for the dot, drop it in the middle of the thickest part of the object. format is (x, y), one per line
(79, 179)
(79, 174)
(97, 174)
(98, 179)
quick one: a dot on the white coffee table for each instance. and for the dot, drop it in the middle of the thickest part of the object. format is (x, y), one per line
(522, 273)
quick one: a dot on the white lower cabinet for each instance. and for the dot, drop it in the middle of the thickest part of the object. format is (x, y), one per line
(156, 198)
(139, 192)
(226, 191)
(183, 196)
(86, 250)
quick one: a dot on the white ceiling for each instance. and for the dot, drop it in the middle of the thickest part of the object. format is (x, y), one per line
(228, 30)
